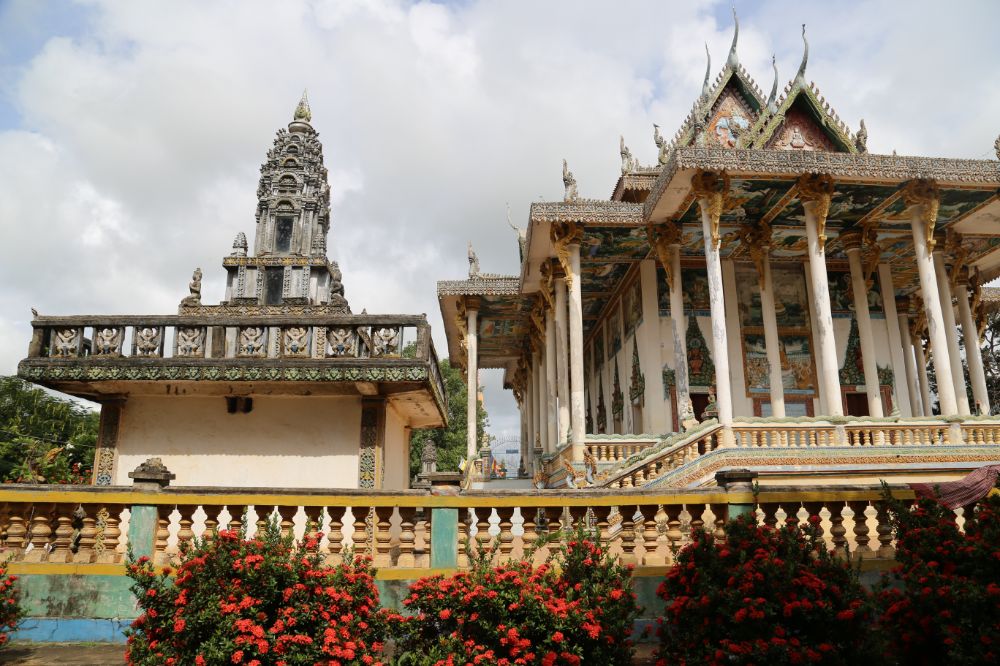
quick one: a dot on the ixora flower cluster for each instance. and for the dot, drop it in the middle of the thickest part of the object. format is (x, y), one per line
(577, 608)
(257, 602)
(11, 612)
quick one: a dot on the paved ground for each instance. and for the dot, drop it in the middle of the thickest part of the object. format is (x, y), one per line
(113, 655)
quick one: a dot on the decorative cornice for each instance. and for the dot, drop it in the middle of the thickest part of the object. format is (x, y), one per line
(484, 285)
(588, 211)
(275, 260)
(886, 168)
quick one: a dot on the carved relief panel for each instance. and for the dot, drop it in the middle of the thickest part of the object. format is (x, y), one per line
(66, 342)
(190, 341)
(295, 341)
(147, 341)
(252, 341)
(108, 340)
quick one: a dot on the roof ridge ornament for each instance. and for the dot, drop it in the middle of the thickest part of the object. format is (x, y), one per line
(629, 163)
(569, 182)
(861, 138)
(302, 112)
(733, 60)
(708, 73)
(996, 147)
(800, 77)
(772, 103)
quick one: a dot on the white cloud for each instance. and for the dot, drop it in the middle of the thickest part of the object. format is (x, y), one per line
(142, 135)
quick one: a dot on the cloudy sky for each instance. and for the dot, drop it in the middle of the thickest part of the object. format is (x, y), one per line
(131, 132)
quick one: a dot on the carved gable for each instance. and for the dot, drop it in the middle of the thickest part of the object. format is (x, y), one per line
(730, 122)
(799, 131)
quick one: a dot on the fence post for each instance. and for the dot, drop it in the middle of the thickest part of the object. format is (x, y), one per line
(150, 476)
(737, 481)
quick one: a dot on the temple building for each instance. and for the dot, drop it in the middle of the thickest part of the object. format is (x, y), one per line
(768, 295)
(280, 385)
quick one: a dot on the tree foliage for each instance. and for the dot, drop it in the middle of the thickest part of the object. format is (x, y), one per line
(450, 441)
(44, 439)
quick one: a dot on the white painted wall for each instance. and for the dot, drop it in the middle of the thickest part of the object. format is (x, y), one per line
(397, 451)
(285, 442)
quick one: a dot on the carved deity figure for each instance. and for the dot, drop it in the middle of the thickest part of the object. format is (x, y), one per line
(861, 138)
(341, 341)
(386, 341)
(67, 341)
(190, 341)
(569, 182)
(147, 340)
(107, 341)
(337, 288)
(194, 286)
(473, 262)
(252, 341)
(295, 340)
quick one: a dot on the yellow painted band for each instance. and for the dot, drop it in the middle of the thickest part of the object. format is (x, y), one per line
(65, 569)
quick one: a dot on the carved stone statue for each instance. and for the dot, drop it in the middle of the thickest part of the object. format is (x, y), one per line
(569, 182)
(194, 298)
(337, 288)
(240, 245)
(996, 147)
(473, 262)
(662, 145)
(861, 138)
(629, 163)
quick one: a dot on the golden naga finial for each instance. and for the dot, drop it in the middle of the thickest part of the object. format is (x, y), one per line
(924, 193)
(302, 111)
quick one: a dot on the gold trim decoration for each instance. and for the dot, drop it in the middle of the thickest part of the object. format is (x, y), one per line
(711, 187)
(564, 234)
(661, 237)
(925, 193)
(817, 189)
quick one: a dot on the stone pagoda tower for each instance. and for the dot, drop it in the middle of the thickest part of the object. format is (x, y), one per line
(289, 268)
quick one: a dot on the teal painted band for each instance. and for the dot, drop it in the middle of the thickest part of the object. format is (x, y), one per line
(142, 529)
(737, 510)
(71, 630)
(444, 538)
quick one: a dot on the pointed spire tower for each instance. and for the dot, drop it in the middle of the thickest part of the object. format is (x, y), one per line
(288, 265)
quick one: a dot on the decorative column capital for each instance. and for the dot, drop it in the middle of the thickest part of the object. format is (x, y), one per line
(925, 194)
(661, 237)
(816, 191)
(472, 303)
(563, 235)
(756, 238)
(851, 240)
(711, 187)
(547, 286)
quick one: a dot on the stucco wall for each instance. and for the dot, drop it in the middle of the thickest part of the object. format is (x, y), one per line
(284, 442)
(397, 450)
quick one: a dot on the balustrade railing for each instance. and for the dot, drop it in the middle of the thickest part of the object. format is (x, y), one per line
(59, 525)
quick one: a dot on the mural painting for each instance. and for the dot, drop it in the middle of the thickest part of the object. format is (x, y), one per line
(842, 295)
(633, 306)
(599, 349)
(615, 330)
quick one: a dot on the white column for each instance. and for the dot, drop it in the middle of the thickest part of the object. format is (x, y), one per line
(901, 383)
(909, 360)
(577, 414)
(852, 243)
(541, 402)
(950, 330)
(925, 389)
(472, 383)
(829, 370)
(813, 341)
(551, 412)
(678, 323)
(771, 341)
(973, 354)
(562, 358)
(710, 213)
(923, 200)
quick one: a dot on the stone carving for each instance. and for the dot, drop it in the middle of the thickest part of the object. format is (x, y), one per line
(563, 235)
(108, 341)
(343, 341)
(861, 138)
(996, 147)
(617, 397)
(295, 341)
(191, 341)
(569, 182)
(662, 145)
(337, 288)
(629, 163)
(602, 412)
(473, 262)
(239, 245)
(147, 340)
(661, 237)
(194, 298)
(252, 341)
(66, 341)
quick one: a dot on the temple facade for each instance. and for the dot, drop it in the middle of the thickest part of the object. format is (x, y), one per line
(280, 385)
(769, 294)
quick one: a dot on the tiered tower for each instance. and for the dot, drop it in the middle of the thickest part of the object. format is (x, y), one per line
(289, 266)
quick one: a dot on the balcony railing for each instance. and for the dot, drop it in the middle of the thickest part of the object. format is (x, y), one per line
(232, 348)
(410, 532)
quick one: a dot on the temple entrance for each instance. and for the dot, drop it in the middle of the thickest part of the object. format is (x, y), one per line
(856, 404)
